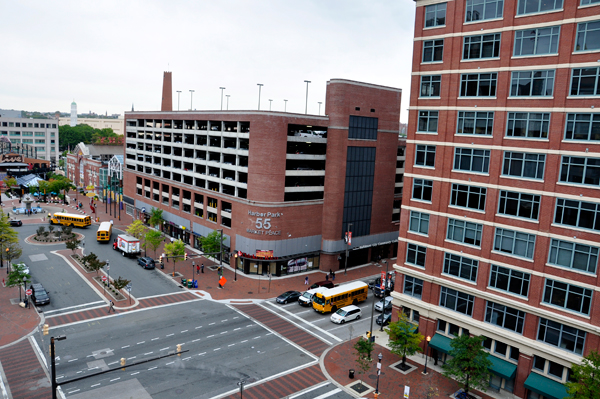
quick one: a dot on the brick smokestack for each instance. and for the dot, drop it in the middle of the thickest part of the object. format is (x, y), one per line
(167, 94)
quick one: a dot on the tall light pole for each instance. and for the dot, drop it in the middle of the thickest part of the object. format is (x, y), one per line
(191, 99)
(348, 243)
(320, 107)
(178, 96)
(241, 385)
(284, 105)
(380, 356)
(385, 287)
(108, 271)
(227, 95)
(426, 352)
(222, 88)
(270, 102)
(260, 85)
(306, 106)
(52, 360)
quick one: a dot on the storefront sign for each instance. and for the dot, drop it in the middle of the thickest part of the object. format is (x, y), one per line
(262, 223)
(263, 254)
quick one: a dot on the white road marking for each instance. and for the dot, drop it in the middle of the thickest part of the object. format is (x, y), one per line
(137, 372)
(163, 349)
(77, 390)
(170, 363)
(223, 320)
(231, 345)
(95, 385)
(93, 368)
(129, 358)
(152, 368)
(126, 346)
(328, 394)
(224, 332)
(210, 336)
(198, 327)
(89, 355)
(143, 342)
(212, 324)
(154, 339)
(72, 360)
(170, 335)
(249, 325)
(195, 340)
(236, 317)
(62, 376)
(80, 371)
(186, 358)
(115, 379)
(112, 363)
(256, 337)
(203, 353)
(244, 341)
(149, 353)
(216, 349)
(239, 328)
(184, 331)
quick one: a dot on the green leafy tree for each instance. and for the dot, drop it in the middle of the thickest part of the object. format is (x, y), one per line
(156, 217)
(585, 380)
(120, 283)
(153, 239)
(96, 264)
(138, 230)
(211, 243)
(175, 250)
(363, 348)
(15, 277)
(40, 231)
(73, 244)
(404, 341)
(8, 235)
(13, 251)
(10, 183)
(469, 364)
(44, 187)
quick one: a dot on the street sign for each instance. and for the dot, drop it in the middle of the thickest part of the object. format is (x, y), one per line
(107, 267)
(128, 287)
(143, 209)
(103, 278)
(28, 292)
(383, 280)
(222, 281)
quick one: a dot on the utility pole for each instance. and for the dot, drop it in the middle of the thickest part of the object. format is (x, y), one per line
(53, 363)
(348, 243)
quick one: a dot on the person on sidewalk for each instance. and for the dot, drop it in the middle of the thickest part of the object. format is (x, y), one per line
(197, 269)
(202, 268)
(306, 280)
(111, 307)
(332, 276)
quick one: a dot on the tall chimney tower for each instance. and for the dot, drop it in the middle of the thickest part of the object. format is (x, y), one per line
(167, 94)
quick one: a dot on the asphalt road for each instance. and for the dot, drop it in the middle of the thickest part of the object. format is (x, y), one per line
(321, 324)
(67, 290)
(223, 347)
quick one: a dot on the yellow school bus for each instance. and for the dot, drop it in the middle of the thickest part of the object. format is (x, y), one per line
(104, 232)
(70, 219)
(340, 296)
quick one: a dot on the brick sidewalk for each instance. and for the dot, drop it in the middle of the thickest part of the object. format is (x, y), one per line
(15, 321)
(342, 357)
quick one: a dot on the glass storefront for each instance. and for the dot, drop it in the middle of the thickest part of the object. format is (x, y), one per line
(278, 267)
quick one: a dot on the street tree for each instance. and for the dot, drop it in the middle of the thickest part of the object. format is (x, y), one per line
(363, 348)
(120, 283)
(469, 364)
(585, 380)
(10, 182)
(153, 239)
(96, 264)
(73, 244)
(212, 242)
(16, 276)
(44, 188)
(404, 340)
(8, 235)
(40, 231)
(13, 251)
(175, 251)
(156, 217)
(138, 230)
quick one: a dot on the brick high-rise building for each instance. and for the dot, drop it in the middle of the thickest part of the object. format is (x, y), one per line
(500, 224)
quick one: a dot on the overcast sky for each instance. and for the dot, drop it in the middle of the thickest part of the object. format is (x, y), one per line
(106, 55)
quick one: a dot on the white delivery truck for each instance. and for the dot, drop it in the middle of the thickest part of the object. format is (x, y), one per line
(306, 298)
(127, 245)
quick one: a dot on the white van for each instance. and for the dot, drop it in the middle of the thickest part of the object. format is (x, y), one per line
(347, 313)
(306, 298)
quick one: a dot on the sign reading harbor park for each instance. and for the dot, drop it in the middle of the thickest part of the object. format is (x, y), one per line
(262, 223)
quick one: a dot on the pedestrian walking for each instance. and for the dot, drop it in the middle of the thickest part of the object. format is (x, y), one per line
(332, 276)
(327, 277)
(202, 268)
(306, 280)
(197, 269)
(111, 307)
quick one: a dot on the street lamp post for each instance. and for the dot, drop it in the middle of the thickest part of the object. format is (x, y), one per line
(52, 360)
(372, 314)
(306, 106)
(260, 85)
(191, 99)
(222, 88)
(241, 385)
(24, 289)
(426, 352)
(235, 257)
(108, 271)
(380, 356)
(284, 105)
(385, 287)
(193, 267)
(227, 95)
(320, 102)
(178, 96)
(270, 102)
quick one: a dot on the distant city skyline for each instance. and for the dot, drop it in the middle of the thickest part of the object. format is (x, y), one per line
(108, 60)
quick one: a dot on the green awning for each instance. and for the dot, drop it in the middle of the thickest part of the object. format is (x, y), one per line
(440, 343)
(545, 386)
(502, 368)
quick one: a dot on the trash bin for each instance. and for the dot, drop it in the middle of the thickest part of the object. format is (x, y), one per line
(195, 283)
(190, 283)
(351, 373)
(183, 282)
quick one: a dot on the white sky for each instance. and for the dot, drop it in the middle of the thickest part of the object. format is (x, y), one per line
(107, 55)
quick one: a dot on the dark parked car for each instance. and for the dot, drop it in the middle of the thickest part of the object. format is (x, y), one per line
(288, 296)
(324, 283)
(16, 223)
(146, 262)
(39, 296)
(384, 317)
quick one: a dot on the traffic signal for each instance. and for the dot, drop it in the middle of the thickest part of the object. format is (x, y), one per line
(178, 349)
(185, 256)
(368, 334)
(123, 363)
(160, 259)
(45, 329)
